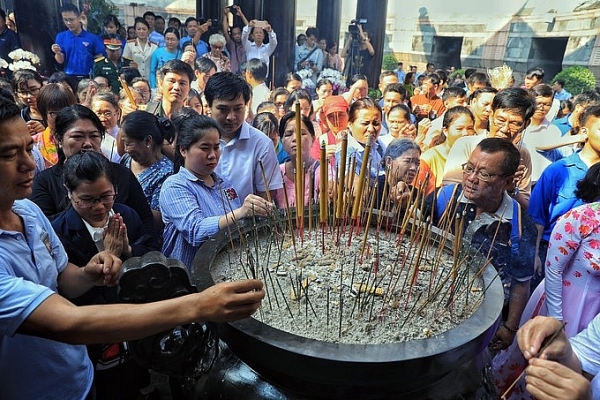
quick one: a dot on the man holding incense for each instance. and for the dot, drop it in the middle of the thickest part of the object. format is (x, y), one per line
(508, 241)
(560, 368)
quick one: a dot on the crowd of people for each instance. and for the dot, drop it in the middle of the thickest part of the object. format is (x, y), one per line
(158, 140)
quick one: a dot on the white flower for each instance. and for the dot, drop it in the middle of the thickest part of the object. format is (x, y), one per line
(307, 83)
(305, 73)
(3, 63)
(16, 54)
(17, 65)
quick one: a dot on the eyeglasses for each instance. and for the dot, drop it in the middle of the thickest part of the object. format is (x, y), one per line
(105, 114)
(513, 126)
(30, 92)
(87, 203)
(482, 175)
(216, 47)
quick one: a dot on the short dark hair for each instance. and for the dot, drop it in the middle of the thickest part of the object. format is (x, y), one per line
(71, 114)
(588, 189)
(54, 97)
(159, 17)
(561, 82)
(204, 65)
(174, 20)
(453, 92)
(8, 109)
(469, 72)
(542, 90)
(512, 157)
(296, 95)
(257, 69)
(590, 111)
(515, 99)
(178, 67)
(396, 88)
(535, 72)
(312, 31)
(226, 86)
(69, 7)
(188, 20)
(478, 77)
(362, 104)
(475, 95)
(586, 99)
(385, 73)
(434, 78)
(149, 14)
(86, 166)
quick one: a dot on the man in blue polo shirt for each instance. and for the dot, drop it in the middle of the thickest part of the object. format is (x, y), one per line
(75, 49)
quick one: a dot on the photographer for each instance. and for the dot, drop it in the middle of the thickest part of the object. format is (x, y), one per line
(233, 36)
(264, 40)
(358, 50)
(309, 55)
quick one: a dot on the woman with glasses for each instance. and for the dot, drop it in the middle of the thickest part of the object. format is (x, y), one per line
(171, 51)
(93, 223)
(27, 84)
(279, 97)
(79, 129)
(106, 106)
(217, 43)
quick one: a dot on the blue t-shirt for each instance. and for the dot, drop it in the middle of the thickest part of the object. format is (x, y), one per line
(554, 193)
(159, 58)
(32, 367)
(80, 51)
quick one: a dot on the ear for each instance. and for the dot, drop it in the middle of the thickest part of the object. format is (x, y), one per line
(584, 131)
(388, 161)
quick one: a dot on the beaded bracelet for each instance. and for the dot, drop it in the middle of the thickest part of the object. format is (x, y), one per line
(508, 328)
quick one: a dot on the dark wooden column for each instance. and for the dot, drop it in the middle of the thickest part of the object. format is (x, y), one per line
(283, 22)
(375, 11)
(329, 15)
(37, 33)
(210, 9)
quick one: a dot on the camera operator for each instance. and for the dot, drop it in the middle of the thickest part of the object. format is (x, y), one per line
(309, 55)
(358, 50)
(264, 40)
(233, 35)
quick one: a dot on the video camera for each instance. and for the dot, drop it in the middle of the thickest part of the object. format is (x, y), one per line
(214, 27)
(353, 27)
(233, 9)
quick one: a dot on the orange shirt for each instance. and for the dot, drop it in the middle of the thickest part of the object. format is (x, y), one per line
(435, 102)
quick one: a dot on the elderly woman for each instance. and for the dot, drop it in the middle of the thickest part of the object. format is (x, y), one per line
(401, 162)
(106, 106)
(217, 43)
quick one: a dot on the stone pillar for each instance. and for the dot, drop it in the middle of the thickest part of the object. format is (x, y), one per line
(329, 14)
(37, 34)
(283, 22)
(375, 11)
